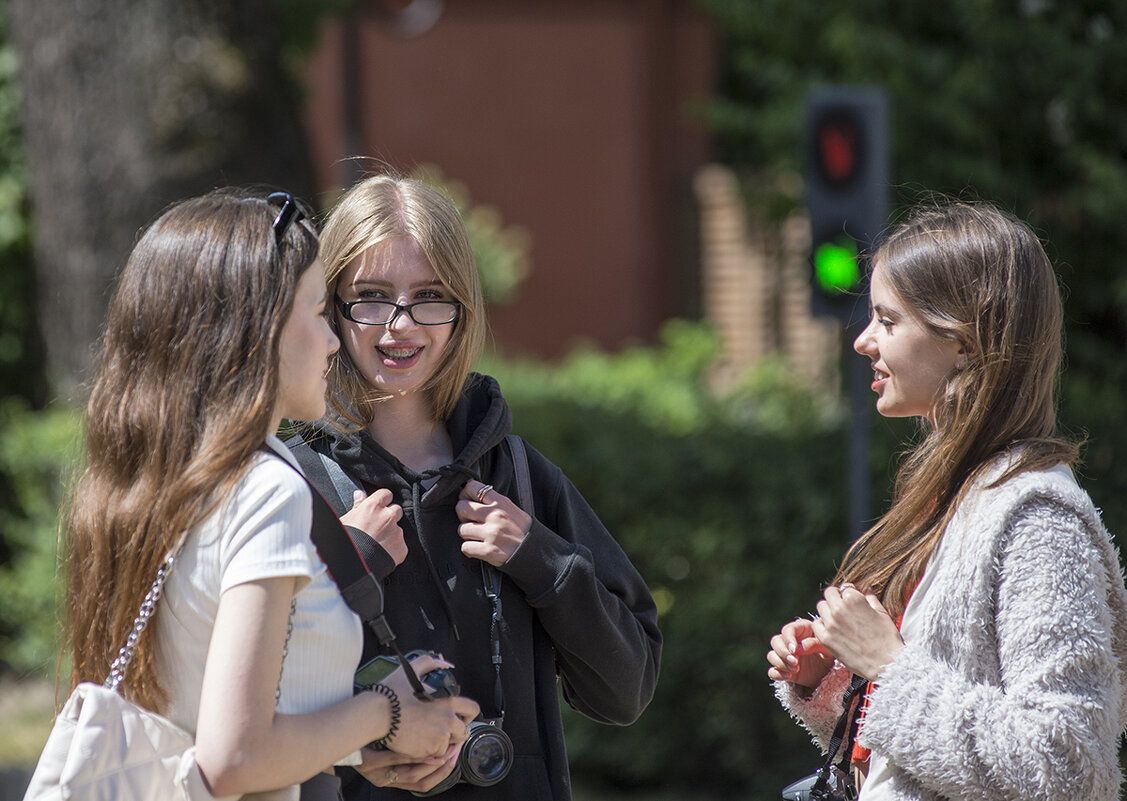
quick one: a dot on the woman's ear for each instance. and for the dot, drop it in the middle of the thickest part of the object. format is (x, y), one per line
(967, 353)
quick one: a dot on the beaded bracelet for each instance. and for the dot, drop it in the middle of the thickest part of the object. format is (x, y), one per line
(393, 703)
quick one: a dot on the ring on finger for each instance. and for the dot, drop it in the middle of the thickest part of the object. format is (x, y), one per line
(392, 775)
(480, 497)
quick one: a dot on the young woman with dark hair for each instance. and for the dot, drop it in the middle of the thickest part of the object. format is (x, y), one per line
(215, 333)
(987, 606)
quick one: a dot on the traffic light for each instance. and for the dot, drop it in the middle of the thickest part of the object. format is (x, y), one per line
(846, 166)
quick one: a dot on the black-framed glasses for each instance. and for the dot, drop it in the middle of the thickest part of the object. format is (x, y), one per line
(384, 312)
(291, 211)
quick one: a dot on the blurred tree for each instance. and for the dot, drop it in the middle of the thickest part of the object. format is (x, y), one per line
(500, 251)
(1014, 101)
(126, 107)
(20, 346)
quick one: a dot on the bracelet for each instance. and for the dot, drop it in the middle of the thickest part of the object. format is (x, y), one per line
(393, 703)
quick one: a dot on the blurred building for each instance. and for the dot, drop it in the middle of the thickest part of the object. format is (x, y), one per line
(580, 121)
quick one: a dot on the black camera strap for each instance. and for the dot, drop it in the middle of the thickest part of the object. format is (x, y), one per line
(846, 729)
(491, 576)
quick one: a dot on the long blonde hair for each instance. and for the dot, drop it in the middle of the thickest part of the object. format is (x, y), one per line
(183, 396)
(974, 273)
(381, 208)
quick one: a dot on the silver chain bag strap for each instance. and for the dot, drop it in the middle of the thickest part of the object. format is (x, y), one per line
(103, 747)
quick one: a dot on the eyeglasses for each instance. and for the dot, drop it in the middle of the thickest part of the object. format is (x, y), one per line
(384, 312)
(291, 211)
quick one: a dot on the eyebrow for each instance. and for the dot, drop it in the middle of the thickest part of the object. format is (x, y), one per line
(382, 283)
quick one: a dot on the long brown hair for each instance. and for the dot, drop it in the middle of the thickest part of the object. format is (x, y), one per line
(385, 207)
(979, 275)
(184, 394)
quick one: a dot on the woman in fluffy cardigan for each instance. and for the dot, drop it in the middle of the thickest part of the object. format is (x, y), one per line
(987, 607)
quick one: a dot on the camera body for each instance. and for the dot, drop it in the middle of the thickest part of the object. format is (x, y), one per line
(486, 755)
(839, 786)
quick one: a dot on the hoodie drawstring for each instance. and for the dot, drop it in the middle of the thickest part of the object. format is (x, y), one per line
(417, 519)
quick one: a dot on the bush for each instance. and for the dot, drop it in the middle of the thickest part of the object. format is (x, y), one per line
(37, 452)
(732, 508)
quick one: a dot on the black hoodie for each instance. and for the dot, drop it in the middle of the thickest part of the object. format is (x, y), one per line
(573, 605)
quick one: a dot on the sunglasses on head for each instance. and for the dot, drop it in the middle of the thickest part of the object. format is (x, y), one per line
(291, 210)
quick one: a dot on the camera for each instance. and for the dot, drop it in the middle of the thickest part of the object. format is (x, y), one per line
(487, 754)
(838, 786)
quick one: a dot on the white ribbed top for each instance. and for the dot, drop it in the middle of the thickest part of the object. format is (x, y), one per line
(262, 531)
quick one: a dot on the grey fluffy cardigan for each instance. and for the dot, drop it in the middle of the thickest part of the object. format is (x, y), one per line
(1015, 686)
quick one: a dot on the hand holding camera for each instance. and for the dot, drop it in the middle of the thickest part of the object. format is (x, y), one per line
(424, 728)
(389, 769)
(485, 753)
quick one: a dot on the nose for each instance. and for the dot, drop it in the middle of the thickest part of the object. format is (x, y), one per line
(864, 343)
(401, 320)
(334, 340)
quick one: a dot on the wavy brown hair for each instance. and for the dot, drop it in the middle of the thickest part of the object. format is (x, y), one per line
(976, 274)
(385, 207)
(183, 396)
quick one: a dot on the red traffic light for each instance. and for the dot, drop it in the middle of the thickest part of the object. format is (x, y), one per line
(838, 147)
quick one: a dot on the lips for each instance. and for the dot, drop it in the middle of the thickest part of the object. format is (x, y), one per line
(398, 354)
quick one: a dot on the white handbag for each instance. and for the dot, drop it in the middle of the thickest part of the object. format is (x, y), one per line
(103, 747)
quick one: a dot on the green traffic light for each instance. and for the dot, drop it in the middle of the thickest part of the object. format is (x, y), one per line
(835, 267)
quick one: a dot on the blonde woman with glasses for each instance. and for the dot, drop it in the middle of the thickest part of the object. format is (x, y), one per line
(523, 595)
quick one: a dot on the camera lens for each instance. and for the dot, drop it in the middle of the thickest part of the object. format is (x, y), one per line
(486, 756)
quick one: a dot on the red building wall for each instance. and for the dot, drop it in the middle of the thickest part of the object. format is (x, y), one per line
(574, 118)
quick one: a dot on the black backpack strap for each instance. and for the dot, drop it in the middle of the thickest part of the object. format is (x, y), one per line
(322, 467)
(524, 478)
(360, 589)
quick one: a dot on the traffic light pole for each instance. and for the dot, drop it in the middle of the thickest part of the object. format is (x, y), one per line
(846, 156)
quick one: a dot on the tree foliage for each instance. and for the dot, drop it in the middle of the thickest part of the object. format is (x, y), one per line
(20, 347)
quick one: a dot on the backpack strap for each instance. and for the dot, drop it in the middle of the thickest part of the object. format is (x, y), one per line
(360, 589)
(524, 478)
(318, 464)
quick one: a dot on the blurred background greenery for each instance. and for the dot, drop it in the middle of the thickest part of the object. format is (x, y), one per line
(731, 504)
